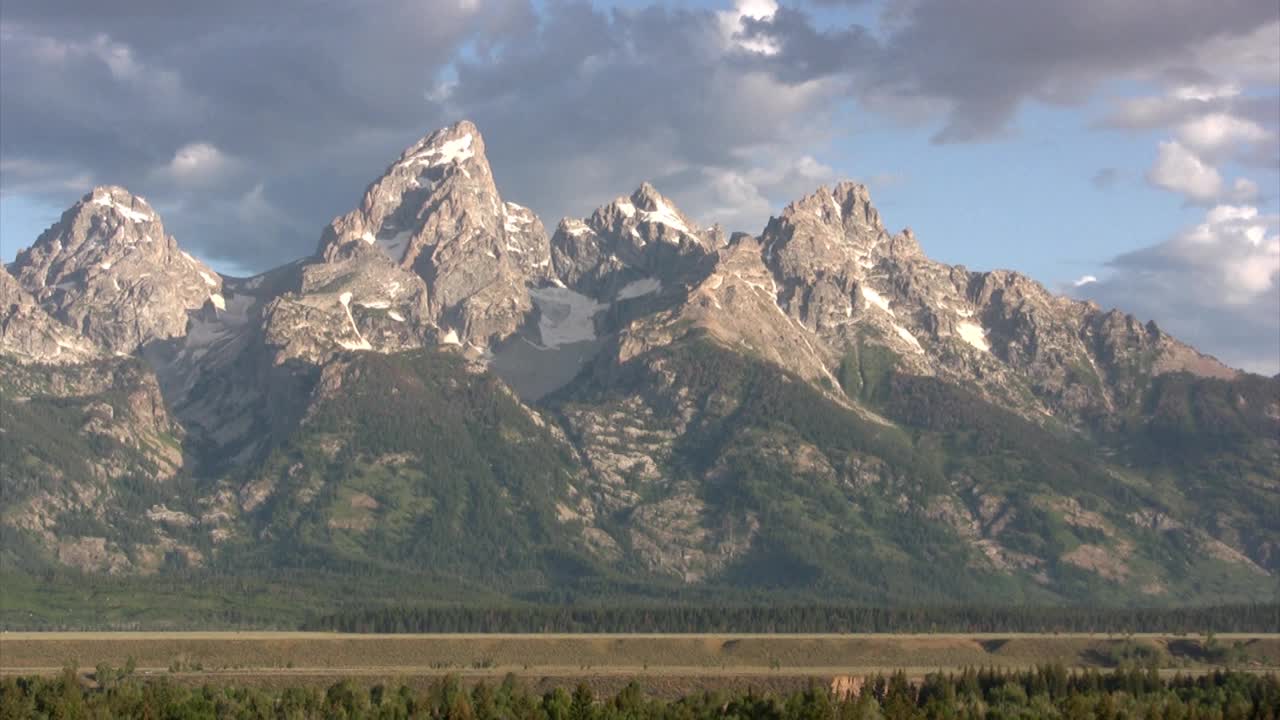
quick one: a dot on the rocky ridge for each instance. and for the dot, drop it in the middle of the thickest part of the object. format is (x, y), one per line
(826, 308)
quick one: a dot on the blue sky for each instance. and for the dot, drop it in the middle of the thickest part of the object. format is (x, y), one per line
(1024, 135)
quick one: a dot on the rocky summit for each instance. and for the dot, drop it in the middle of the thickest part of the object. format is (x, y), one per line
(634, 406)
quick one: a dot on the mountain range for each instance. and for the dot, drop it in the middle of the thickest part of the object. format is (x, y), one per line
(630, 405)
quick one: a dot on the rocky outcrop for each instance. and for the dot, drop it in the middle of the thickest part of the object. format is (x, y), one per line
(849, 281)
(436, 212)
(628, 240)
(108, 270)
(363, 303)
(29, 335)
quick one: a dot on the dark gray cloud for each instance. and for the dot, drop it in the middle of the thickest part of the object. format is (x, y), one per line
(298, 106)
(979, 62)
(986, 58)
(310, 99)
(591, 103)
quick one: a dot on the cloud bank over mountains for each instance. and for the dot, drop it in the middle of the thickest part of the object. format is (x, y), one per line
(251, 124)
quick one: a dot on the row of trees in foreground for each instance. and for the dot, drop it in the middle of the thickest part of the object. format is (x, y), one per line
(1047, 692)
(802, 618)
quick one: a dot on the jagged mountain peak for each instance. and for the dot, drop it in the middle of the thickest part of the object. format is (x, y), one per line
(435, 226)
(108, 269)
(647, 197)
(119, 200)
(653, 207)
(847, 205)
(458, 143)
(106, 219)
(446, 167)
(641, 235)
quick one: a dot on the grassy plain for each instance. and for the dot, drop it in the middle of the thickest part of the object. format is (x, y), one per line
(669, 664)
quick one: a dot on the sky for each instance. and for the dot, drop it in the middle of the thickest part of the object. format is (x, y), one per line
(1122, 151)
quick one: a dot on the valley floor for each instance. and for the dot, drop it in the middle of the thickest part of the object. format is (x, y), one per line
(671, 665)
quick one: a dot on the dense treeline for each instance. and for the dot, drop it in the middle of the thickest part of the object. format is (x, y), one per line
(1047, 692)
(808, 618)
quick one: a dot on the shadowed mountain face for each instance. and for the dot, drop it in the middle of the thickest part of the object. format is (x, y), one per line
(634, 406)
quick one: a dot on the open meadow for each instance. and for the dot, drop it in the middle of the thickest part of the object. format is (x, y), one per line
(667, 664)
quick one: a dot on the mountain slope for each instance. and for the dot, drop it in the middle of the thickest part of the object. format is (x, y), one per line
(635, 406)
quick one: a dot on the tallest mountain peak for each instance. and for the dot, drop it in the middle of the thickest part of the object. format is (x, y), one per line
(456, 143)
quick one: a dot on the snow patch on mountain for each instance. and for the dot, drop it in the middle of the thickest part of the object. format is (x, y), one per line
(906, 335)
(512, 219)
(577, 228)
(450, 151)
(565, 316)
(396, 245)
(360, 343)
(637, 288)
(664, 215)
(129, 213)
(973, 334)
(875, 298)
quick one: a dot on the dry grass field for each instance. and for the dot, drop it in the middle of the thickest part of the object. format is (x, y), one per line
(668, 664)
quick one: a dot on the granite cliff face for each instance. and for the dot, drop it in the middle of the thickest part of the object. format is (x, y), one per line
(848, 280)
(108, 270)
(635, 394)
(436, 213)
(636, 239)
(28, 334)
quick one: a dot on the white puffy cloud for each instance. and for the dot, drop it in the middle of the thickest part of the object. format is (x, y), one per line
(1180, 170)
(1205, 92)
(733, 26)
(744, 198)
(1215, 285)
(200, 164)
(1237, 244)
(1216, 131)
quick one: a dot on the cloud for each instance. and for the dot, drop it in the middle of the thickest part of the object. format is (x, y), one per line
(1215, 285)
(200, 165)
(733, 26)
(985, 60)
(1243, 190)
(1215, 132)
(29, 176)
(740, 199)
(1178, 169)
(601, 101)
(168, 101)
(1205, 92)
(579, 101)
(1084, 280)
